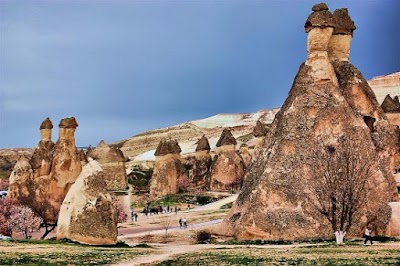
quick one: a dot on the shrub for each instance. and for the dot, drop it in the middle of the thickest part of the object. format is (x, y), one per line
(203, 237)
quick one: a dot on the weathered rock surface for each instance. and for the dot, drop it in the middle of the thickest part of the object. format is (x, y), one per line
(391, 105)
(197, 165)
(167, 169)
(54, 168)
(393, 228)
(245, 154)
(87, 214)
(228, 167)
(277, 200)
(112, 162)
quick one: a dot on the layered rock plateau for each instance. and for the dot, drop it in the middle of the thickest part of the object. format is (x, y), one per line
(87, 214)
(329, 104)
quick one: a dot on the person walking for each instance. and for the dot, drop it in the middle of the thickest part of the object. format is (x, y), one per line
(184, 222)
(367, 234)
(180, 222)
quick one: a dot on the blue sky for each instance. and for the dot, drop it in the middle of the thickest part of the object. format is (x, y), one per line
(122, 67)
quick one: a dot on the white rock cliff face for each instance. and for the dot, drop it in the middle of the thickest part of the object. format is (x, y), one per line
(387, 84)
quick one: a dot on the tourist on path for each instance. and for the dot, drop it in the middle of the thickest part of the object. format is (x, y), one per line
(367, 235)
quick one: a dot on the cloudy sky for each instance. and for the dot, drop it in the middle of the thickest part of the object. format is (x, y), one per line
(122, 67)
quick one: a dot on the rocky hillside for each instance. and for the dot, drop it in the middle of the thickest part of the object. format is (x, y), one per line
(387, 84)
(141, 147)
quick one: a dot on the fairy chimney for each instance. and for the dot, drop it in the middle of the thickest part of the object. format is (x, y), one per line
(167, 169)
(339, 43)
(112, 160)
(87, 214)
(280, 196)
(197, 165)
(227, 168)
(42, 156)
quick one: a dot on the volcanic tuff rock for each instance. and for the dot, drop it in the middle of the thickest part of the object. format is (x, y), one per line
(277, 199)
(112, 162)
(167, 169)
(87, 214)
(391, 105)
(245, 154)
(197, 165)
(52, 170)
(226, 138)
(228, 167)
(167, 147)
(202, 144)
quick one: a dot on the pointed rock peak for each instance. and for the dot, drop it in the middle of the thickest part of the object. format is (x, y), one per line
(22, 162)
(226, 138)
(320, 17)
(391, 105)
(117, 153)
(102, 144)
(343, 22)
(259, 130)
(167, 147)
(69, 122)
(203, 144)
(46, 124)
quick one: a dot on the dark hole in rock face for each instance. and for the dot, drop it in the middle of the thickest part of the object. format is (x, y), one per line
(370, 121)
(235, 217)
(331, 149)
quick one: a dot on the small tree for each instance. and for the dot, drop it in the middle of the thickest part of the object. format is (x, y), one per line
(183, 183)
(166, 223)
(23, 219)
(122, 216)
(6, 207)
(340, 184)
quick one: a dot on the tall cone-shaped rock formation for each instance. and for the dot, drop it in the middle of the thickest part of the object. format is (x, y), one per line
(228, 168)
(87, 214)
(330, 117)
(197, 165)
(167, 169)
(43, 182)
(112, 162)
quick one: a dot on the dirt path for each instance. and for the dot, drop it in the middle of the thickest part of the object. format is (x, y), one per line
(216, 205)
(159, 230)
(165, 252)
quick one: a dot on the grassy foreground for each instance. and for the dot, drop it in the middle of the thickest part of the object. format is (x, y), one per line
(46, 253)
(317, 255)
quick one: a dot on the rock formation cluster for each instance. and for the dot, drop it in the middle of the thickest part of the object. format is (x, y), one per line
(87, 214)
(112, 162)
(44, 180)
(329, 104)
